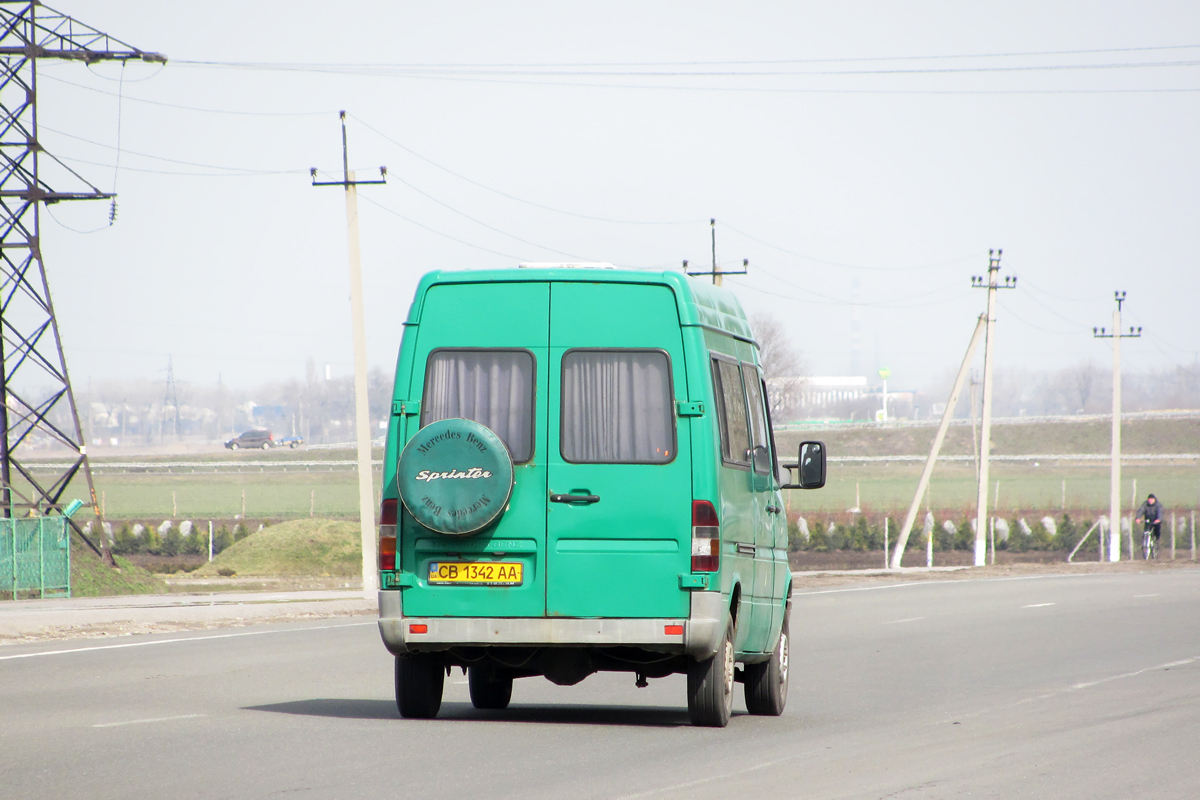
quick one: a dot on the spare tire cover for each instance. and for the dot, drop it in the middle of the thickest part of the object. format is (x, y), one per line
(455, 476)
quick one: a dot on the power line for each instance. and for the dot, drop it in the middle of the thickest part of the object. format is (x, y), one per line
(859, 59)
(473, 182)
(439, 233)
(191, 108)
(489, 227)
(156, 158)
(840, 264)
(187, 174)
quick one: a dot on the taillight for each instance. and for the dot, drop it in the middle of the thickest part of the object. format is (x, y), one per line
(706, 537)
(387, 512)
(387, 535)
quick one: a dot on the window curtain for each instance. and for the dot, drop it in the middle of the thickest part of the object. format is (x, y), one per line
(617, 407)
(493, 388)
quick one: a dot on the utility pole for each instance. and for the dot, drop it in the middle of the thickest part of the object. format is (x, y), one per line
(885, 373)
(1114, 493)
(171, 397)
(716, 272)
(35, 387)
(974, 424)
(927, 471)
(366, 495)
(985, 427)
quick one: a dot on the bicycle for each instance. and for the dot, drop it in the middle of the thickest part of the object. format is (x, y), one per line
(1149, 544)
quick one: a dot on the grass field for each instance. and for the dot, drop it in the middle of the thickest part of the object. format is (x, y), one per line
(890, 488)
(332, 492)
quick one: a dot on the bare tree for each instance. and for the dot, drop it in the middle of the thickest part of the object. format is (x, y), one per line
(1083, 380)
(782, 363)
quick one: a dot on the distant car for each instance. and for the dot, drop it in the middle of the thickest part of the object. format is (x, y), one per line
(290, 441)
(252, 439)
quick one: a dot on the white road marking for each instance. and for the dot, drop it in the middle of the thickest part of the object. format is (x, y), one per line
(701, 781)
(898, 621)
(1147, 595)
(952, 582)
(187, 639)
(140, 721)
(1134, 674)
(1039, 605)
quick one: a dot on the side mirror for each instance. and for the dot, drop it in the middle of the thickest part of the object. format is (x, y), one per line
(811, 466)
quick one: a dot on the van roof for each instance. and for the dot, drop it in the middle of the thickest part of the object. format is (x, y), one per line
(699, 303)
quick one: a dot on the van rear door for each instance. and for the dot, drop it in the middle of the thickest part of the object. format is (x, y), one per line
(619, 468)
(481, 354)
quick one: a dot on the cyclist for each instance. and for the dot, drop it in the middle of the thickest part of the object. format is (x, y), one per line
(1151, 513)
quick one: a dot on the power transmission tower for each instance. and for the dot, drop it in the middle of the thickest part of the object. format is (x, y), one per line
(991, 283)
(366, 494)
(717, 272)
(1114, 497)
(171, 398)
(37, 406)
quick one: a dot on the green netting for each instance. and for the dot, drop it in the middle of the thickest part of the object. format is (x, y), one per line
(35, 557)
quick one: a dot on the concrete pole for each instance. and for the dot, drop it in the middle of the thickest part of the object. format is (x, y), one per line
(923, 483)
(985, 427)
(885, 542)
(1114, 514)
(362, 419)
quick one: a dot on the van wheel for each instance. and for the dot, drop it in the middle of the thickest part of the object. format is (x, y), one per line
(233, 446)
(489, 688)
(767, 683)
(266, 445)
(710, 686)
(419, 681)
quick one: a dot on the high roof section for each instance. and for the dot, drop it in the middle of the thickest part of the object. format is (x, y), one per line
(699, 303)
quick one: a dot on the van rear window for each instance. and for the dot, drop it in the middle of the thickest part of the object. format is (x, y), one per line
(491, 387)
(617, 407)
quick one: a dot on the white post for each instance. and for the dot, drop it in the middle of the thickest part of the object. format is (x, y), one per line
(210, 541)
(923, 483)
(992, 536)
(885, 542)
(1172, 535)
(362, 421)
(885, 400)
(1064, 495)
(1114, 518)
(985, 427)
(929, 545)
(1193, 536)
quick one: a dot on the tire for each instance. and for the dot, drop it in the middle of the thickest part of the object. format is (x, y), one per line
(233, 446)
(489, 688)
(266, 445)
(766, 683)
(420, 679)
(292, 445)
(710, 686)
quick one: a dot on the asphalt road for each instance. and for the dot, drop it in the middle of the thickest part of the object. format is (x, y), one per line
(1058, 687)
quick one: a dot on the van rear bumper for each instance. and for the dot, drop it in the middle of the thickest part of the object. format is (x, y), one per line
(702, 630)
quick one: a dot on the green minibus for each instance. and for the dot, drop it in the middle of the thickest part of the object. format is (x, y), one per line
(580, 476)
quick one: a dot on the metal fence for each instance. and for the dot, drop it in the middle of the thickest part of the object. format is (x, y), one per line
(35, 557)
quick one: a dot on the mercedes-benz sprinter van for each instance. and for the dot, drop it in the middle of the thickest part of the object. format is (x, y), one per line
(581, 476)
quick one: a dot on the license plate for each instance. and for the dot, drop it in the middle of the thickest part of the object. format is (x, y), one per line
(479, 573)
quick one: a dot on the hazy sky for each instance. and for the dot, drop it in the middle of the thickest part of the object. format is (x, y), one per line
(852, 151)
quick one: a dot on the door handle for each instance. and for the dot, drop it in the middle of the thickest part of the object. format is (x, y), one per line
(575, 498)
(773, 509)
